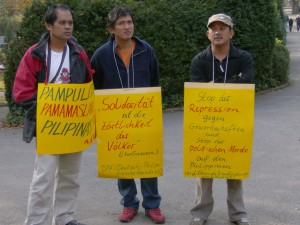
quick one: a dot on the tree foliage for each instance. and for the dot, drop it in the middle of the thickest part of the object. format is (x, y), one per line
(13, 7)
(11, 15)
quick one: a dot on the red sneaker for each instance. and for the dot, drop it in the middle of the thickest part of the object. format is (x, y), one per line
(156, 215)
(127, 215)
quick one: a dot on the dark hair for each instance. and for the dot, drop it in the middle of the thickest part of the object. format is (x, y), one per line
(50, 16)
(115, 14)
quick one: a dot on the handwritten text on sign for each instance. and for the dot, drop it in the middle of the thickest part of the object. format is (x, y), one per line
(129, 132)
(65, 118)
(218, 130)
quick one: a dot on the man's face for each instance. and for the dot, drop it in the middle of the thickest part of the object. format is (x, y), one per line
(219, 33)
(62, 28)
(123, 29)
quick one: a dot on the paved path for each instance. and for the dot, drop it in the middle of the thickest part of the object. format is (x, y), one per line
(271, 194)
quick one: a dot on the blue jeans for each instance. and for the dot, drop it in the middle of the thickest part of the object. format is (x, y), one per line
(149, 188)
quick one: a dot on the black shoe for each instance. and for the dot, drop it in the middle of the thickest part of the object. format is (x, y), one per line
(74, 222)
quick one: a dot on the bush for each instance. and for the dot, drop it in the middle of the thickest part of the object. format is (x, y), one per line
(281, 22)
(2, 57)
(281, 63)
(175, 29)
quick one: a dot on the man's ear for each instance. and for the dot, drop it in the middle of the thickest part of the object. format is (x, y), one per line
(111, 30)
(232, 33)
(48, 26)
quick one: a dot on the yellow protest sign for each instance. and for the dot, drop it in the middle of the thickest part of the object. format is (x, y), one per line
(218, 130)
(65, 118)
(129, 132)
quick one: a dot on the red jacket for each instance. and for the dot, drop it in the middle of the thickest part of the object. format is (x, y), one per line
(33, 70)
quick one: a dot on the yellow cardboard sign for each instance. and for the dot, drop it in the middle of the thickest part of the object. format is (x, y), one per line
(65, 118)
(218, 130)
(129, 132)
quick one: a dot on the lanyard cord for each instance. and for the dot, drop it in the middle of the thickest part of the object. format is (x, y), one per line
(213, 62)
(117, 64)
(132, 69)
(114, 46)
(49, 63)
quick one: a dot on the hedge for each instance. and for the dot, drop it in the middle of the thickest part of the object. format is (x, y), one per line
(175, 29)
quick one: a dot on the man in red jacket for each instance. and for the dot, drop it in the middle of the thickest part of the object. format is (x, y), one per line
(56, 58)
